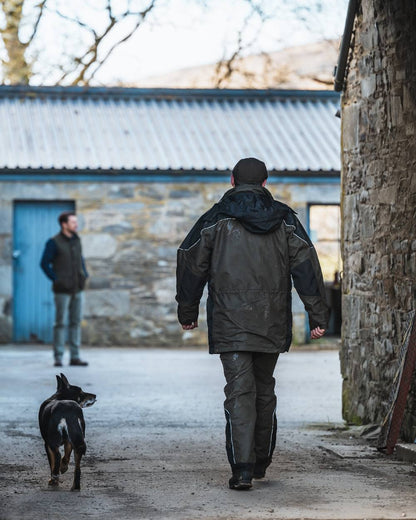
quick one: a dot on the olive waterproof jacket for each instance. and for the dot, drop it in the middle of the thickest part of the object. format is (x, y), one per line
(248, 248)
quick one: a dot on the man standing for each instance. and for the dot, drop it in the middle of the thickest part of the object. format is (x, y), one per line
(62, 262)
(249, 247)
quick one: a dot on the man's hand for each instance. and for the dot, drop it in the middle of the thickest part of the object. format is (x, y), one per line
(193, 325)
(317, 333)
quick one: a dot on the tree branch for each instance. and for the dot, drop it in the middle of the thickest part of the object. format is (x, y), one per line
(110, 51)
(226, 68)
(89, 58)
(77, 21)
(41, 6)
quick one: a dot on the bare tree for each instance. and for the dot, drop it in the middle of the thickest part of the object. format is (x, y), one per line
(17, 69)
(86, 65)
(309, 15)
(76, 68)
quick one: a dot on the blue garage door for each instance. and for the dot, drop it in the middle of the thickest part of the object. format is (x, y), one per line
(33, 308)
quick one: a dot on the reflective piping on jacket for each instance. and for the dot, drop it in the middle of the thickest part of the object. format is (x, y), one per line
(271, 433)
(294, 227)
(231, 433)
(203, 229)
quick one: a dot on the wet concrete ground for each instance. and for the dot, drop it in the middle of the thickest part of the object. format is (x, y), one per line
(155, 442)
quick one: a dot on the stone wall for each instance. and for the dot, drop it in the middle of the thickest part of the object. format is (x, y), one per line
(130, 234)
(378, 206)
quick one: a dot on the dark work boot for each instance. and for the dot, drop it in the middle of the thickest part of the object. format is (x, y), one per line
(241, 479)
(260, 468)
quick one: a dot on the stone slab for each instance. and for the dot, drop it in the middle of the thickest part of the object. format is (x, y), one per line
(100, 245)
(406, 452)
(107, 302)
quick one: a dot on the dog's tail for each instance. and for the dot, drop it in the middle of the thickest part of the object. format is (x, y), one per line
(75, 432)
(70, 425)
(71, 429)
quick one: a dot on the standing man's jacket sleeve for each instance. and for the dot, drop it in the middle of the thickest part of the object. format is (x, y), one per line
(48, 256)
(306, 273)
(192, 273)
(84, 267)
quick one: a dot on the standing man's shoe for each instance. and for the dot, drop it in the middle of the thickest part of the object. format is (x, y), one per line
(58, 363)
(78, 362)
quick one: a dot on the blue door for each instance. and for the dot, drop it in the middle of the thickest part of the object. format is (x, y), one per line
(33, 308)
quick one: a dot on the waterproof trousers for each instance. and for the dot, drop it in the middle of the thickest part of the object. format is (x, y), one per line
(250, 408)
(68, 311)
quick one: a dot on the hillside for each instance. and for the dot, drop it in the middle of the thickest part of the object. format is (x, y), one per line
(303, 67)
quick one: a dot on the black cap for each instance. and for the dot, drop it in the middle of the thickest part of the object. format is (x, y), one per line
(250, 171)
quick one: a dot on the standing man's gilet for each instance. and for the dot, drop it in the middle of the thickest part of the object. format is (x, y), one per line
(67, 265)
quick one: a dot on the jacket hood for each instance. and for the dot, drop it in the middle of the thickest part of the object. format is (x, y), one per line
(254, 207)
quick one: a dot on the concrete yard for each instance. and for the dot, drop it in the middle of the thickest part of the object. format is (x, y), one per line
(156, 450)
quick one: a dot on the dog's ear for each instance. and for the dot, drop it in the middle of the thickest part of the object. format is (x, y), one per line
(65, 381)
(60, 384)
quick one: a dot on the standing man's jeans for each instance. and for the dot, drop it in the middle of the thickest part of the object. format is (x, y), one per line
(250, 408)
(68, 310)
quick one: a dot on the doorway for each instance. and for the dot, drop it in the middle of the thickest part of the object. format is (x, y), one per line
(324, 222)
(34, 222)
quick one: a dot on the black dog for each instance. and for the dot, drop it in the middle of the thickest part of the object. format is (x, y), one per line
(61, 422)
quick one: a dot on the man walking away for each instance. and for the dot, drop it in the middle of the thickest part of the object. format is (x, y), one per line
(62, 262)
(249, 247)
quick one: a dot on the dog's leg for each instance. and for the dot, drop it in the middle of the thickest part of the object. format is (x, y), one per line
(78, 452)
(48, 455)
(66, 457)
(54, 460)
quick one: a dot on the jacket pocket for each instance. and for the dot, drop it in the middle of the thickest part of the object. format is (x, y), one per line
(63, 284)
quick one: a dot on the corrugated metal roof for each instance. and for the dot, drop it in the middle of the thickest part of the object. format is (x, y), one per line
(167, 129)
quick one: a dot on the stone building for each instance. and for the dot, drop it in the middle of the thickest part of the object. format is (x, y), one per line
(378, 205)
(139, 166)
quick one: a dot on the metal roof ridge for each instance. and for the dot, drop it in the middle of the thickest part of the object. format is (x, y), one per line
(162, 93)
